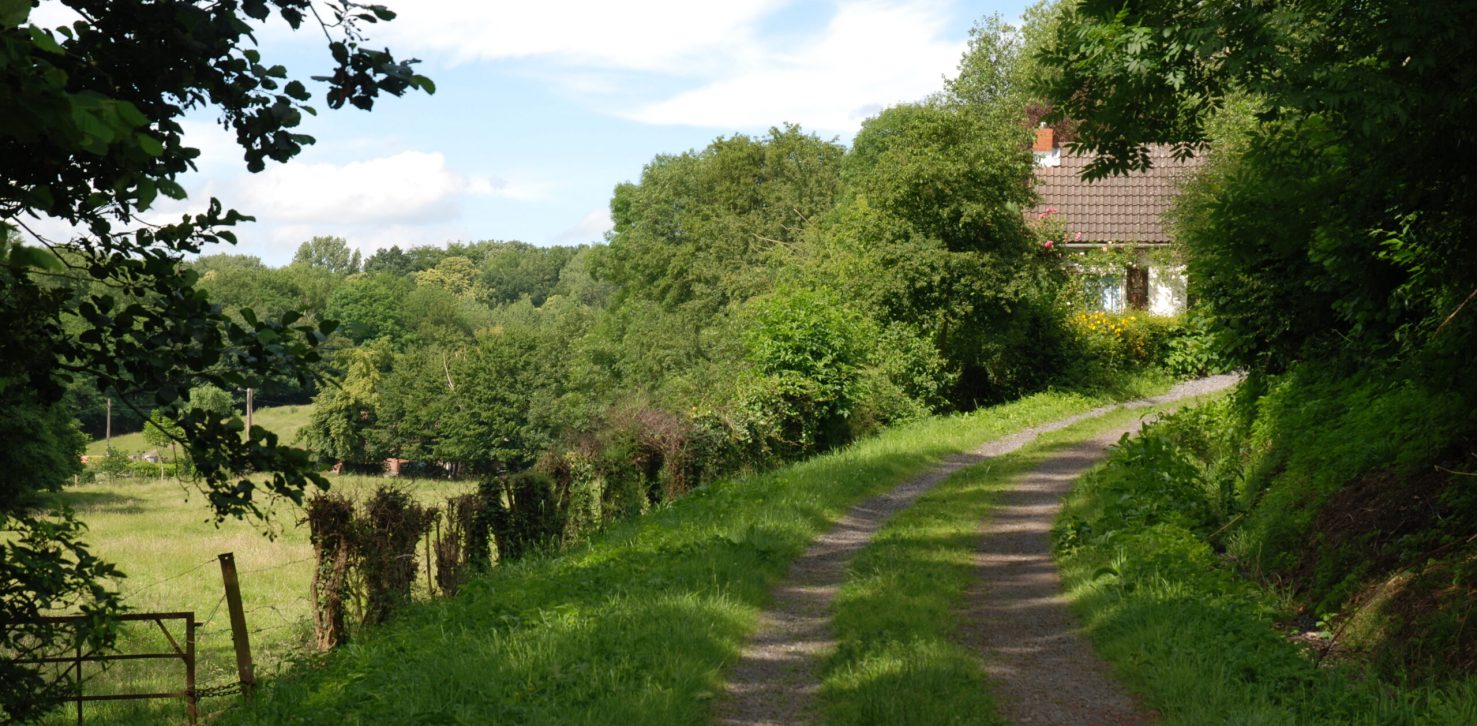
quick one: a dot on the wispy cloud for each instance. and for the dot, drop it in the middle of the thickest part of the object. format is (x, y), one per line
(591, 228)
(654, 35)
(407, 187)
(870, 54)
(730, 68)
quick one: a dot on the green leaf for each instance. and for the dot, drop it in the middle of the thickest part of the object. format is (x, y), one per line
(43, 40)
(147, 192)
(150, 145)
(14, 12)
(171, 189)
(35, 257)
(296, 90)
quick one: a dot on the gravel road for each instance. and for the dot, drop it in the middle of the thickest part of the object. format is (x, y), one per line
(777, 678)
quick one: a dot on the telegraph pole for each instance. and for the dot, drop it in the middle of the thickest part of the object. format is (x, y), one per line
(109, 429)
(248, 413)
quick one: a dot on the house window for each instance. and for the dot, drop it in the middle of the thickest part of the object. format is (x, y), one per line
(1108, 291)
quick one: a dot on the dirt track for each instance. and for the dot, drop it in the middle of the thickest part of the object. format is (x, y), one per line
(777, 676)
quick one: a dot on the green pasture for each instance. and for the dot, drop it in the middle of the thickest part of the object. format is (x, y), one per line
(161, 534)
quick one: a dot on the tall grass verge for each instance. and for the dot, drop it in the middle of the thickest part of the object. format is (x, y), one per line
(1181, 626)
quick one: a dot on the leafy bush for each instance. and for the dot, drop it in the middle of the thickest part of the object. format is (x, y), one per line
(1126, 340)
(1193, 350)
(114, 463)
(811, 348)
(523, 513)
(1152, 481)
(385, 536)
(1139, 540)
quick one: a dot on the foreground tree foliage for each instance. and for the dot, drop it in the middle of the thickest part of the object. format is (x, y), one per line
(1342, 213)
(91, 136)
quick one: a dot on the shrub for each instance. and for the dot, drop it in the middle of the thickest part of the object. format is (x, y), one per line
(1193, 350)
(454, 551)
(811, 349)
(114, 463)
(385, 537)
(523, 513)
(330, 529)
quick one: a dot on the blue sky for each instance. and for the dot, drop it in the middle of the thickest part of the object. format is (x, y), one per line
(543, 107)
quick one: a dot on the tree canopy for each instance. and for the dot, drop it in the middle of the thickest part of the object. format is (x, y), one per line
(92, 137)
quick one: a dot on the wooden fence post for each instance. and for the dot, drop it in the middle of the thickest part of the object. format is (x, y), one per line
(192, 714)
(239, 636)
(79, 679)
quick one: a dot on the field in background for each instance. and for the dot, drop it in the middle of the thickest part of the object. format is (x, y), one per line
(160, 534)
(285, 421)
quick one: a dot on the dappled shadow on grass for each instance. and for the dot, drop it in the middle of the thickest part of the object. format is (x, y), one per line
(895, 619)
(916, 682)
(100, 502)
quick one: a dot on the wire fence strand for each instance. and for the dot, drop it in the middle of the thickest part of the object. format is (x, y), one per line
(171, 578)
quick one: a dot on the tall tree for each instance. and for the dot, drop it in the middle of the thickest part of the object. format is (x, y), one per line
(91, 136)
(328, 253)
(698, 226)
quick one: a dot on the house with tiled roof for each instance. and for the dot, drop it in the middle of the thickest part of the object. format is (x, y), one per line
(1121, 212)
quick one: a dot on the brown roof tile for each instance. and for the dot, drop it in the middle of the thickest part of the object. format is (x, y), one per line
(1116, 208)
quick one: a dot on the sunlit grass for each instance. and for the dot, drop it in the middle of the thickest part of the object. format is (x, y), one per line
(898, 659)
(161, 535)
(285, 421)
(636, 626)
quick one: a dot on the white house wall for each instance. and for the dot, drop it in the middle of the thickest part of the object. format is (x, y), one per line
(1166, 290)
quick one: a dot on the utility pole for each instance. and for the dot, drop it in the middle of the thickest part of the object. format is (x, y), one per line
(109, 429)
(248, 413)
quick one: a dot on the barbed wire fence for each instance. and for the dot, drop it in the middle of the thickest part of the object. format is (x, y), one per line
(212, 626)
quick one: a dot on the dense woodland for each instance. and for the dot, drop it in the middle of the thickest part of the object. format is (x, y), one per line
(758, 300)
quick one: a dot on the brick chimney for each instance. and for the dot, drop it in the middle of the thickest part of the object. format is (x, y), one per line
(1044, 150)
(1045, 140)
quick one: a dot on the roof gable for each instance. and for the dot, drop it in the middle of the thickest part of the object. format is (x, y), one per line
(1116, 208)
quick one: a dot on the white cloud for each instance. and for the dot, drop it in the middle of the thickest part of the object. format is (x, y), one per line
(408, 187)
(217, 145)
(673, 36)
(870, 55)
(591, 227)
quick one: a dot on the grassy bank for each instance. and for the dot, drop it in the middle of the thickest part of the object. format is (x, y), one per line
(1185, 557)
(636, 625)
(898, 659)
